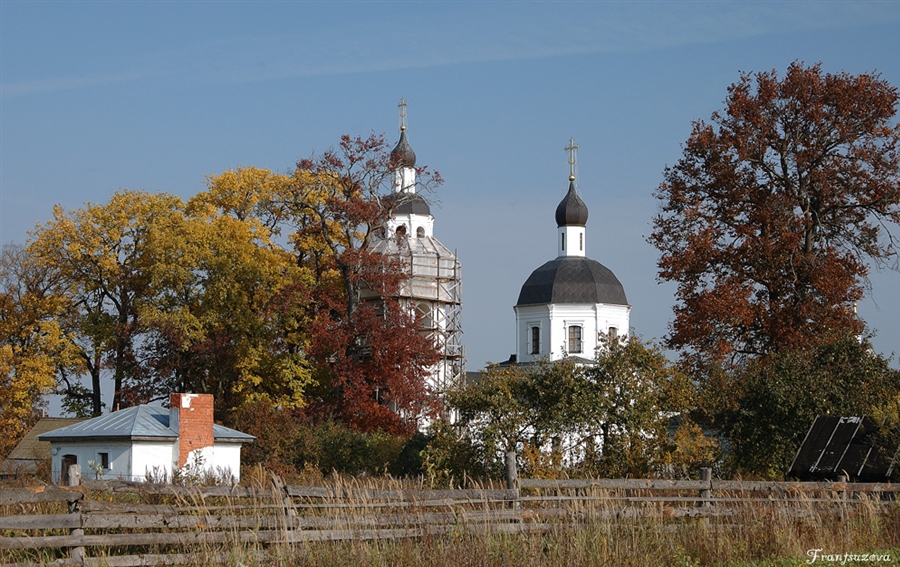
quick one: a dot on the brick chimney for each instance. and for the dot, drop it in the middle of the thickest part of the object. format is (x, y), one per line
(191, 416)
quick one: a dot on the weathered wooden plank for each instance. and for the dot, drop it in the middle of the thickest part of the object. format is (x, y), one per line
(39, 494)
(403, 495)
(773, 486)
(149, 560)
(95, 506)
(616, 484)
(219, 522)
(122, 486)
(308, 492)
(40, 522)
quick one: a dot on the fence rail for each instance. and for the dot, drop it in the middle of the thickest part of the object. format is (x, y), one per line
(165, 521)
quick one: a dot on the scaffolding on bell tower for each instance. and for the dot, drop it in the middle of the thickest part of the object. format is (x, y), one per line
(434, 289)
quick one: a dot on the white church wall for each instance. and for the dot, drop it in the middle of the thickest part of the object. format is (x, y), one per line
(554, 321)
(570, 241)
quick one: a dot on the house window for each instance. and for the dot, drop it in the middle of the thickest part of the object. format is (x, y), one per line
(535, 340)
(575, 339)
(104, 460)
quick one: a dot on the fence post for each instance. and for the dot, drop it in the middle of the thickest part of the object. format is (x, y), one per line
(512, 476)
(706, 476)
(74, 474)
(287, 503)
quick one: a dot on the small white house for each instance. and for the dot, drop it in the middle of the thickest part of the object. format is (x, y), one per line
(149, 441)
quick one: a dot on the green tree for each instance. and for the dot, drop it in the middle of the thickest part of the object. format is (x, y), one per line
(636, 393)
(512, 407)
(776, 399)
(609, 418)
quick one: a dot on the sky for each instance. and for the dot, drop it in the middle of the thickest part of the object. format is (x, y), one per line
(97, 97)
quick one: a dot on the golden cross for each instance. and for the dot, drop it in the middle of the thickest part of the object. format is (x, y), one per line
(402, 106)
(571, 149)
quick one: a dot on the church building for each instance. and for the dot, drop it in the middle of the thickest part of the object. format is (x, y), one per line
(572, 304)
(434, 288)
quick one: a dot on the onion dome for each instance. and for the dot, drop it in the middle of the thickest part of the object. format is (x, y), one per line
(402, 155)
(571, 211)
(572, 279)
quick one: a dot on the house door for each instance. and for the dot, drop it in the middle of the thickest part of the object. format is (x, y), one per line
(67, 461)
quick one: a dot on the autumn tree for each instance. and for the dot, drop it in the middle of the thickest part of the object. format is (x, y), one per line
(101, 258)
(33, 346)
(228, 312)
(371, 360)
(768, 220)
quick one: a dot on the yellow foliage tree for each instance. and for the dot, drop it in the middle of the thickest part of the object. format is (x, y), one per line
(32, 344)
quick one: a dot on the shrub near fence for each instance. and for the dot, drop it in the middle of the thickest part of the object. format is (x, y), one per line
(125, 524)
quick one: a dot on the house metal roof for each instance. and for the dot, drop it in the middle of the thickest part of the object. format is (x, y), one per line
(138, 422)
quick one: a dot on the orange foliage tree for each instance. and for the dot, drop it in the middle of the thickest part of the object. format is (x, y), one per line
(371, 360)
(769, 219)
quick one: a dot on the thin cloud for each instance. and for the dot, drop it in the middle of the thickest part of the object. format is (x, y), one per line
(453, 34)
(61, 84)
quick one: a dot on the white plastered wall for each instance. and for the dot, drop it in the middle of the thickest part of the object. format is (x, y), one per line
(554, 321)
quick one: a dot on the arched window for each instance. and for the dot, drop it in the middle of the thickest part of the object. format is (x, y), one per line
(420, 232)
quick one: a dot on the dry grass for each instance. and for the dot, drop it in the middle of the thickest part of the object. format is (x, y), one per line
(599, 532)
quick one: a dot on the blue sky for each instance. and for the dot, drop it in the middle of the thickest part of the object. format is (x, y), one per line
(101, 96)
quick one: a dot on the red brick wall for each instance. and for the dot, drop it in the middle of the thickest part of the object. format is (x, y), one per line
(195, 422)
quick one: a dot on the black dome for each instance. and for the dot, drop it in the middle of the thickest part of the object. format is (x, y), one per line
(402, 154)
(572, 279)
(410, 203)
(571, 211)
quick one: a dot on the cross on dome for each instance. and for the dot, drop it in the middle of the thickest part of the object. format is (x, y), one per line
(402, 106)
(571, 148)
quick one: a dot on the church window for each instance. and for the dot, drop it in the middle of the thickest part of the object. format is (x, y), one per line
(420, 232)
(401, 230)
(535, 340)
(563, 236)
(574, 339)
(581, 241)
(613, 334)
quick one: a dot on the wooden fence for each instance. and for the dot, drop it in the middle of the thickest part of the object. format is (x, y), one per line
(127, 524)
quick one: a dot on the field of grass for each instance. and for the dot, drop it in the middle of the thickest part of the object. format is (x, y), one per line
(588, 533)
